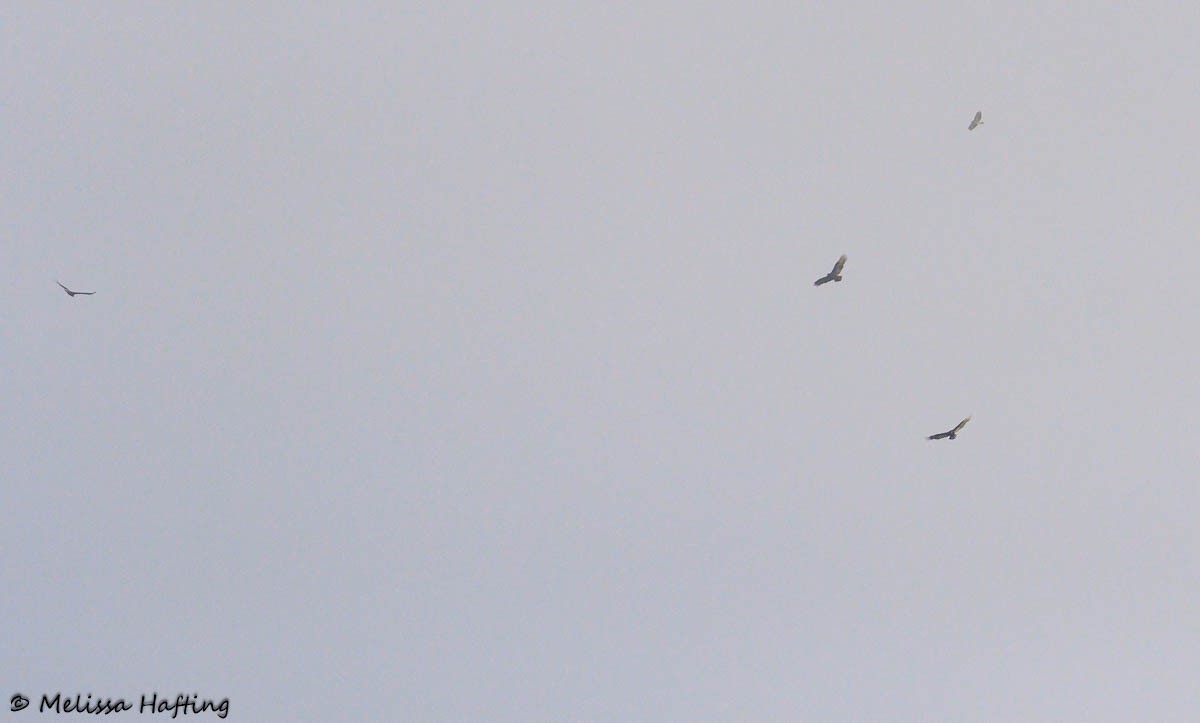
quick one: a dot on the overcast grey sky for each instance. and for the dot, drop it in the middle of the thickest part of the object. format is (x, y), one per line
(457, 363)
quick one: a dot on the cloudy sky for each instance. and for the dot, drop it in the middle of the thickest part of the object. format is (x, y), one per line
(463, 363)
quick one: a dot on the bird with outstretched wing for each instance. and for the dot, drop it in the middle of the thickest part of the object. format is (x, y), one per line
(953, 433)
(74, 293)
(835, 275)
(976, 121)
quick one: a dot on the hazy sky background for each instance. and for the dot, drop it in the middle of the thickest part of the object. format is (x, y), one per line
(457, 363)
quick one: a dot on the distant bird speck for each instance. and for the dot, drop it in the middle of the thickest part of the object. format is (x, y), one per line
(953, 433)
(976, 121)
(835, 275)
(74, 293)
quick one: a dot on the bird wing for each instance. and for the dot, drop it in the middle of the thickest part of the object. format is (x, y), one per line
(976, 120)
(837, 268)
(823, 280)
(940, 435)
(85, 293)
(63, 287)
(961, 424)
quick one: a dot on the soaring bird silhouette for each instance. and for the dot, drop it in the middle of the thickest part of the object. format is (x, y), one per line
(953, 433)
(74, 293)
(976, 121)
(835, 275)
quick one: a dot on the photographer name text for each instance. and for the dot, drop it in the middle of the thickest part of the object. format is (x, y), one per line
(151, 703)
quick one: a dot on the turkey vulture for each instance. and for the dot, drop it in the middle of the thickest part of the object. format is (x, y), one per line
(953, 433)
(74, 293)
(976, 121)
(835, 275)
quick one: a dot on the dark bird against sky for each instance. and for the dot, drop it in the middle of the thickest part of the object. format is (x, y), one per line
(74, 293)
(953, 433)
(976, 121)
(835, 275)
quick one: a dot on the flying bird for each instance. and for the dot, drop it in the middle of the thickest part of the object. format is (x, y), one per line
(74, 293)
(953, 433)
(976, 121)
(835, 275)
